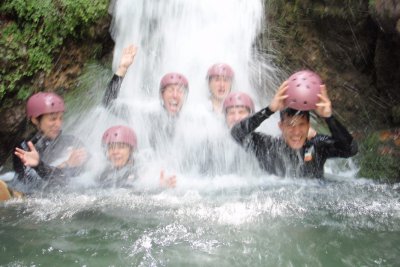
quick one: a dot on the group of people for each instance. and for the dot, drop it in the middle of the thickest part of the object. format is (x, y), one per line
(49, 157)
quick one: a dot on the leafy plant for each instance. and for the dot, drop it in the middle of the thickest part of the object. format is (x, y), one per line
(376, 163)
(33, 33)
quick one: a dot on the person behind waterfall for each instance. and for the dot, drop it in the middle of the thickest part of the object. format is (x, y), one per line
(219, 77)
(292, 154)
(236, 107)
(120, 144)
(219, 154)
(48, 157)
(173, 91)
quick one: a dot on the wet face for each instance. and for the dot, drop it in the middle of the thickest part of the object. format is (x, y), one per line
(235, 114)
(220, 86)
(118, 154)
(173, 97)
(49, 124)
(294, 130)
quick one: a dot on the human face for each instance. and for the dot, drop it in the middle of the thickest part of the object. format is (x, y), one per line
(118, 154)
(294, 130)
(220, 86)
(173, 97)
(49, 124)
(235, 114)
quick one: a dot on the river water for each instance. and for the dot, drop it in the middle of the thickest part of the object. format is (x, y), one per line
(257, 222)
(244, 218)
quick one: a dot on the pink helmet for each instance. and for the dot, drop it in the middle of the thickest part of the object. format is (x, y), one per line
(303, 90)
(44, 103)
(120, 134)
(173, 78)
(220, 69)
(238, 99)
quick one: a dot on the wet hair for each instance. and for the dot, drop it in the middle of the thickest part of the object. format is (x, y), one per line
(290, 112)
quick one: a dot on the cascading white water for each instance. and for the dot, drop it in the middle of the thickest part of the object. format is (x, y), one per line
(186, 37)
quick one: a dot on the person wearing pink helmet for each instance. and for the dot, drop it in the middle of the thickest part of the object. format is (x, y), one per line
(219, 77)
(173, 88)
(120, 143)
(293, 154)
(48, 156)
(236, 107)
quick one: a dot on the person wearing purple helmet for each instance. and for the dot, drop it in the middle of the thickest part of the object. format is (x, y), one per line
(293, 154)
(48, 156)
(120, 143)
(219, 77)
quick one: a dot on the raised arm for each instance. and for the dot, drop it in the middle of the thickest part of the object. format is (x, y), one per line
(343, 144)
(248, 125)
(112, 91)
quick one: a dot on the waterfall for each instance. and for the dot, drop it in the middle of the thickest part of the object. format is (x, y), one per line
(186, 37)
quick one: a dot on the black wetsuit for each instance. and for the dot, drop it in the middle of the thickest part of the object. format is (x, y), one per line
(29, 178)
(276, 157)
(122, 177)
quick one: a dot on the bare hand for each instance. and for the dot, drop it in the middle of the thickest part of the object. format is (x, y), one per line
(278, 102)
(128, 55)
(29, 158)
(324, 106)
(77, 157)
(169, 181)
(311, 133)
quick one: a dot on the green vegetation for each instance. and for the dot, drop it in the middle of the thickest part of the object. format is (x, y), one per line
(33, 33)
(379, 160)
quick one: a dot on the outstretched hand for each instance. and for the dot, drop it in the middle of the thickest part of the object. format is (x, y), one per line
(77, 157)
(169, 181)
(128, 55)
(278, 102)
(29, 158)
(324, 106)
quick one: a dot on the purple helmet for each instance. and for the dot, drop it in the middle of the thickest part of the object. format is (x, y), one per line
(120, 134)
(44, 103)
(303, 90)
(220, 69)
(173, 78)
(238, 99)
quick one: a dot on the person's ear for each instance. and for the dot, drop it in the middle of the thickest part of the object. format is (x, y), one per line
(280, 124)
(35, 121)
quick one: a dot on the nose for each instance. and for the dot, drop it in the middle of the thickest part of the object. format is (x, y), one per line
(236, 117)
(175, 93)
(59, 122)
(296, 129)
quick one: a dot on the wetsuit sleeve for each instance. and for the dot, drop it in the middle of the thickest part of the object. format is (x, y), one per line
(112, 90)
(48, 172)
(342, 143)
(18, 166)
(242, 129)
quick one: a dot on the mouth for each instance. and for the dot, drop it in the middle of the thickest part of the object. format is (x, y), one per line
(173, 106)
(221, 91)
(297, 141)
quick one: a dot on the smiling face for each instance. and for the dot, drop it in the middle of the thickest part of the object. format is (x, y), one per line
(294, 130)
(118, 154)
(49, 124)
(220, 86)
(235, 114)
(173, 97)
